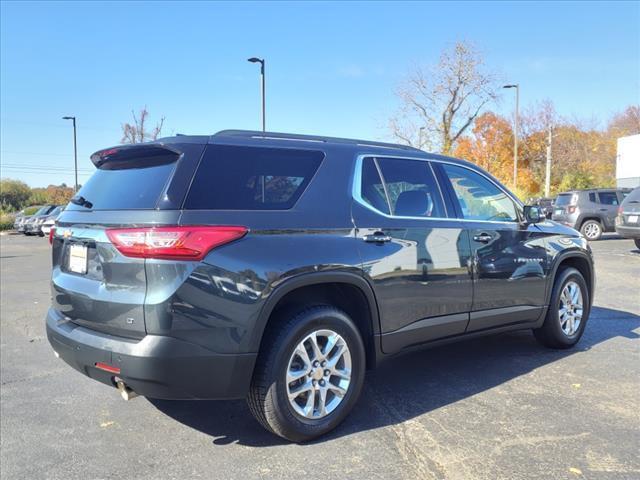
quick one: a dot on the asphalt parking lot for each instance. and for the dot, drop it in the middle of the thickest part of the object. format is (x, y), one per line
(498, 407)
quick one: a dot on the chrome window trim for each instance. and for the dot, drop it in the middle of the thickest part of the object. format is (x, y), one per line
(357, 183)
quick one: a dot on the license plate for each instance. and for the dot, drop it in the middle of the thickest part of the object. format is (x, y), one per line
(559, 211)
(78, 258)
(632, 219)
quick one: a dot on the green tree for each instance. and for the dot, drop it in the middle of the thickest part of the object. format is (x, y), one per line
(14, 194)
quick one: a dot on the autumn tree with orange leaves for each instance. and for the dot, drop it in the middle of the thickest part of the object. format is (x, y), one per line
(583, 155)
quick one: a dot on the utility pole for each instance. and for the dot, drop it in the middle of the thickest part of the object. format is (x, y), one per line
(515, 133)
(75, 151)
(547, 178)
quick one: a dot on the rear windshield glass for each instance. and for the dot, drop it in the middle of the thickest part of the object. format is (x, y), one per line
(564, 199)
(128, 189)
(633, 196)
(250, 178)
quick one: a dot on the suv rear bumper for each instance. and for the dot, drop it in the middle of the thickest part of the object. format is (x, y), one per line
(627, 231)
(156, 366)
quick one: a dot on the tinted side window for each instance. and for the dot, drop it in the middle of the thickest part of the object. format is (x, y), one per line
(592, 197)
(480, 199)
(251, 178)
(412, 188)
(371, 188)
(608, 198)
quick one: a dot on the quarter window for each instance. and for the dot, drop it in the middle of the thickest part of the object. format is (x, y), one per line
(608, 198)
(479, 198)
(250, 178)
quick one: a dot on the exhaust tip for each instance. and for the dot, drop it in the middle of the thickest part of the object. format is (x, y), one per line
(125, 392)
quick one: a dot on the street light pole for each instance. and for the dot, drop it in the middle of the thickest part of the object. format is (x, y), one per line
(75, 151)
(262, 78)
(515, 133)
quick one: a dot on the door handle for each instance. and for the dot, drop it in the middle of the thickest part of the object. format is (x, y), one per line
(483, 238)
(377, 237)
(603, 209)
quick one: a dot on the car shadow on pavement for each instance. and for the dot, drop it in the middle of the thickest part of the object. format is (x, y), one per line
(412, 385)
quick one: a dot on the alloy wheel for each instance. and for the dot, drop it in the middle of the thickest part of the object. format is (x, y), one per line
(571, 308)
(592, 230)
(318, 374)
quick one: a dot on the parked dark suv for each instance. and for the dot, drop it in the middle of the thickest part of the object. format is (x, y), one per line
(592, 212)
(628, 219)
(279, 267)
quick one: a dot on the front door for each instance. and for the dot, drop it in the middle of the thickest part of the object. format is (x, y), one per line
(415, 256)
(508, 257)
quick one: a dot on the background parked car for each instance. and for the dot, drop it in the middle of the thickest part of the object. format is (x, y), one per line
(19, 219)
(591, 211)
(50, 220)
(628, 219)
(33, 223)
(23, 217)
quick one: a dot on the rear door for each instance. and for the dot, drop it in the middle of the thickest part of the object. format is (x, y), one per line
(608, 207)
(93, 284)
(415, 255)
(508, 258)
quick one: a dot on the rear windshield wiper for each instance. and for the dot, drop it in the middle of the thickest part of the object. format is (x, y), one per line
(83, 202)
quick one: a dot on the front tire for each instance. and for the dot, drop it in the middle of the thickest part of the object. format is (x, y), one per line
(568, 311)
(592, 230)
(309, 373)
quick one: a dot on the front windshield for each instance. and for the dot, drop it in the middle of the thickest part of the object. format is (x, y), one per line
(41, 211)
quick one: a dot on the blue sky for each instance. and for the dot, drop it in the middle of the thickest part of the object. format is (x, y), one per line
(331, 67)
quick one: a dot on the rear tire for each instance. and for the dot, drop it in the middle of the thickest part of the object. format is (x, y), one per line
(566, 317)
(317, 409)
(592, 230)
(637, 242)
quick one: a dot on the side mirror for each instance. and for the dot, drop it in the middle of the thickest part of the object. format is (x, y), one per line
(533, 214)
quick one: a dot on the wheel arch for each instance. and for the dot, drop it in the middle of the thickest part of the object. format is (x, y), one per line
(337, 288)
(590, 216)
(578, 260)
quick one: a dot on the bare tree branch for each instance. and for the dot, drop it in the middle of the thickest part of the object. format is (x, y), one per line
(443, 100)
(137, 132)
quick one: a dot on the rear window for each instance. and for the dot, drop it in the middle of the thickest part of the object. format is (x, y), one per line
(127, 189)
(634, 196)
(565, 199)
(251, 178)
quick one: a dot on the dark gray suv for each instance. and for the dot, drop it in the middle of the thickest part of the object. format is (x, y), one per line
(592, 212)
(280, 267)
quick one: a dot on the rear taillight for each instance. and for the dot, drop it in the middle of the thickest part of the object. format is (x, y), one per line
(172, 243)
(571, 208)
(52, 233)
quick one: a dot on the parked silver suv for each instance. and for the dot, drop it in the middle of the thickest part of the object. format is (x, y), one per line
(592, 212)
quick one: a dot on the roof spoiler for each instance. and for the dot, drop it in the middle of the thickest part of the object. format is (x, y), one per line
(134, 156)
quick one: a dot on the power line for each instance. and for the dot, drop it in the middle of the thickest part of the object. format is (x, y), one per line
(45, 154)
(46, 172)
(43, 167)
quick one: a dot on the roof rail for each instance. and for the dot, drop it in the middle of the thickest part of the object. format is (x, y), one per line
(309, 138)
